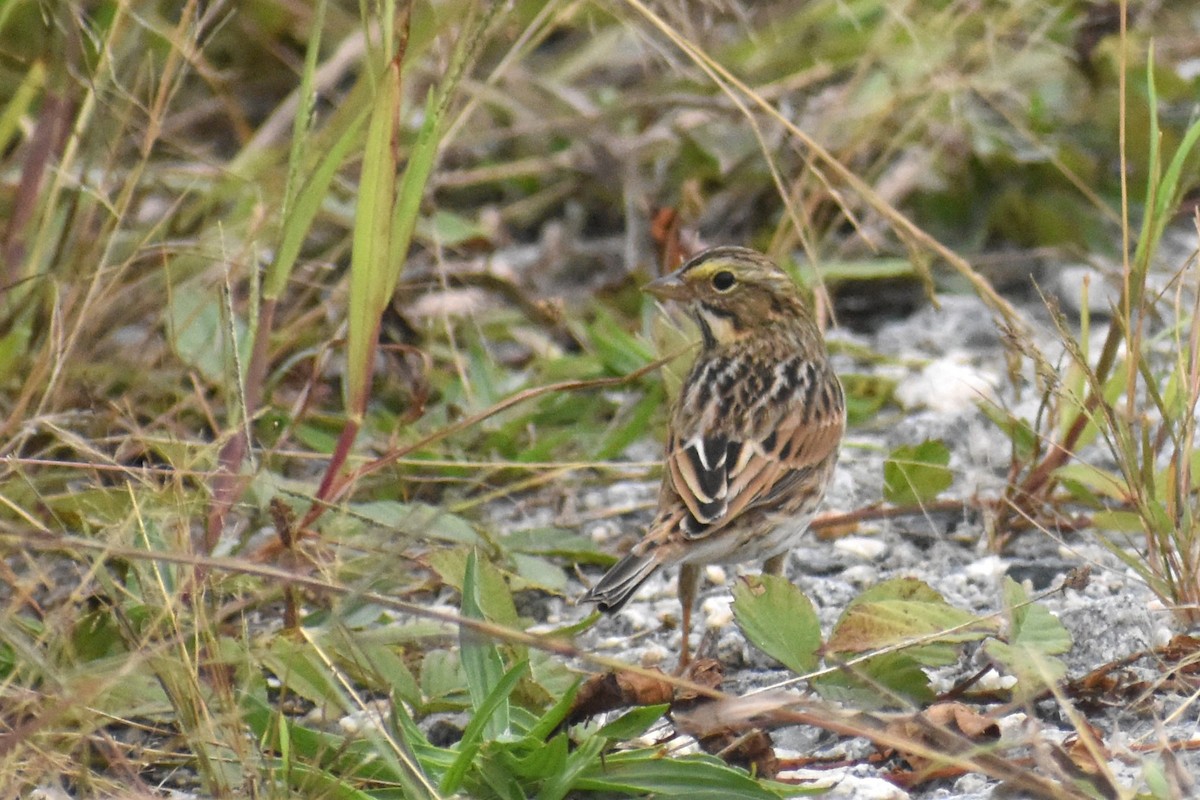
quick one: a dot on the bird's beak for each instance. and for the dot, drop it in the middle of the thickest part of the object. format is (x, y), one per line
(668, 287)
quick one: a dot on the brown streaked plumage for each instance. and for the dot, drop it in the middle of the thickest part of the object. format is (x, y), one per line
(753, 436)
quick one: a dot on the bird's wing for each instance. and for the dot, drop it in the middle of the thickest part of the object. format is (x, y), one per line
(755, 454)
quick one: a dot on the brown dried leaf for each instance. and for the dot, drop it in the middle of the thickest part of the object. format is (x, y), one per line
(611, 690)
(1084, 756)
(955, 718)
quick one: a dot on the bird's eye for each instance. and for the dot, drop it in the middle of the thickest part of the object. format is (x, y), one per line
(723, 281)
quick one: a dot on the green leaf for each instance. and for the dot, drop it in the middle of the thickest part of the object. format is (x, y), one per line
(481, 658)
(418, 520)
(866, 395)
(581, 758)
(1022, 435)
(778, 619)
(632, 723)
(1098, 481)
(488, 714)
(443, 680)
(491, 589)
(620, 351)
(554, 716)
(693, 777)
(1035, 636)
(916, 474)
(556, 542)
(900, 611)
(891, 680)
(371, 283)
(199, 331)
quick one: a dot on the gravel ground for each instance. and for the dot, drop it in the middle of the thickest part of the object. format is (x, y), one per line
(956, 358)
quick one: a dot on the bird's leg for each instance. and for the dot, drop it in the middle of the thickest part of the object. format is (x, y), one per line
(774, 564)
(689, 579)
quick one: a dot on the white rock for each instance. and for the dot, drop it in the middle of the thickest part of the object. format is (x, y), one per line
(947, 386)
(715, 574)
(987, 567)
(718, 612)
(366, 719)
(860, 576)
(994, 681)
(1012, 727)
(865, 547)
(654, 655)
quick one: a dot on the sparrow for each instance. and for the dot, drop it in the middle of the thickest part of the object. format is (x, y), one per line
(753, 435)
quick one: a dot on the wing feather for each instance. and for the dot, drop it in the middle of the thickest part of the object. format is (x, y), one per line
(718, 475)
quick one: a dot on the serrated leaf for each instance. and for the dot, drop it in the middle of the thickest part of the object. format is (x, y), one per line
(916, 474)
(891, 680)
(884, 619)
(778, 619)
(1032, 623)
(1032, 669)
(898, 589)
(1035, 636)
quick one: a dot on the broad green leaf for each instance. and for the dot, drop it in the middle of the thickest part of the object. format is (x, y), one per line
(778, 619)
(1120, 521)
(1035, 636)
(199, 331)
(902, 610)
(915, 474)
(1032, 623)
(450, 229)
(1033, 669)
(891, 680)
(443, 679)
(1022, 435)
(865, 395)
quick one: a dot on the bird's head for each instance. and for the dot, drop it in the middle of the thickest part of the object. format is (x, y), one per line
(733, 292)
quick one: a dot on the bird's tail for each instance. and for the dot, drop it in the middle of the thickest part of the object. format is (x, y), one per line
(618, 584)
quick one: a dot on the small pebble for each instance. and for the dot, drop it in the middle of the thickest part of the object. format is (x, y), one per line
(987, 567)
(654, 655)
(718, 612)
(866, 548)
(366, 719)
(715, 574)
(994, 681)
(860, 576)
